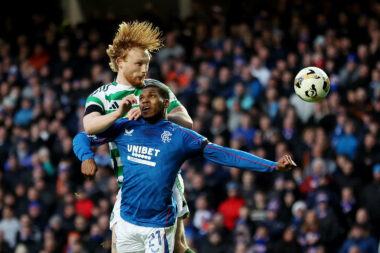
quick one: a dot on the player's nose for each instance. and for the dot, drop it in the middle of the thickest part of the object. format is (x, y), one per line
(144, 101)
(144, 68)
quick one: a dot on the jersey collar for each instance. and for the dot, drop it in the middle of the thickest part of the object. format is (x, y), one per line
(159, 123)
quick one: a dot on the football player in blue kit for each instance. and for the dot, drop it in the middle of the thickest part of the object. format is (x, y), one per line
(152, 149)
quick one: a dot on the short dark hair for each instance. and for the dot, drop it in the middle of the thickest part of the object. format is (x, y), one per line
(163, 91)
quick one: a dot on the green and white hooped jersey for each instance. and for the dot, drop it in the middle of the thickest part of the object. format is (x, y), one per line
(108, 98)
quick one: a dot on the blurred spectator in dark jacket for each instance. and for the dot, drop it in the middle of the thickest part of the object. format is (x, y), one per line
(258, 208)
(349, 74)
(274, 225)
(287, 201)
(348, 205)
(347, 176)
(214, 244)
(370, 198)
(367, 156)
(330, 228)
(244, 219)
(29, 234)
(362, 218)
(310, 233)
(261, 240)
(248, 185)
(359, 236)
(219, 128)
(4, 245)
(288, 243)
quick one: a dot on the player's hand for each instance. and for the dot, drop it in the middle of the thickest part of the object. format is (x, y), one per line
(126, 104)
(89, 168)
(134, 113)
(285, 164)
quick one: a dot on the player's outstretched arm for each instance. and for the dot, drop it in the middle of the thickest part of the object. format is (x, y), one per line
(95, 123)
(243, 160)
(194, 143)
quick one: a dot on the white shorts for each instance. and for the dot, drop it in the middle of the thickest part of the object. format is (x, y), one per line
(133, 238)
(178, 191)
(115, 215)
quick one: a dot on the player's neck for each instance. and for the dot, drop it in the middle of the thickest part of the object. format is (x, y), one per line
(156, 118)
(120, 79)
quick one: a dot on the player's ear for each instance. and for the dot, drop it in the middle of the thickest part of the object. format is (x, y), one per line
(166, 103)
(118, 61)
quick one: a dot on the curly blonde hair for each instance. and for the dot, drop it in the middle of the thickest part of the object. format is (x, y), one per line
(133, 34)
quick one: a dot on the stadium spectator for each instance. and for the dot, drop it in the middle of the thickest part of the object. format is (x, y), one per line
(10, 225)
(318, 178)
(310, 233)
(349, 205)
(328, 222)
(261, 240)
(288, 243)
(4, 245)
(230, 207)
(359, 237)
(369, 198)
(202, 214)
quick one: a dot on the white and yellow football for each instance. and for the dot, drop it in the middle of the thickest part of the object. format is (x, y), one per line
(312, 84)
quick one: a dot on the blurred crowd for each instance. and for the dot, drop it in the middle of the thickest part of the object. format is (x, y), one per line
(233, 69)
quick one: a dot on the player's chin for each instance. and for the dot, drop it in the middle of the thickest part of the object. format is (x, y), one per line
(146, 115)
(138, 82)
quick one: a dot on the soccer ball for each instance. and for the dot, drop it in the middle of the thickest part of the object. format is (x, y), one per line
(312, 84)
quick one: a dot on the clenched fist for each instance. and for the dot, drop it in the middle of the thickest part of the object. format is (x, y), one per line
(89, 168)
(285, 164)
(126, 104)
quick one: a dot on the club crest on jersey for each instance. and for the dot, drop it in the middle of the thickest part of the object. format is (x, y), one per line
(165, 136)
(128, 133)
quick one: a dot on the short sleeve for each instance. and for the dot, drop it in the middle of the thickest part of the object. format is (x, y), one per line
(94, 100)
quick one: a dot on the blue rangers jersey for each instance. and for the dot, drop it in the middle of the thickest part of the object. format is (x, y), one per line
(152, 154)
